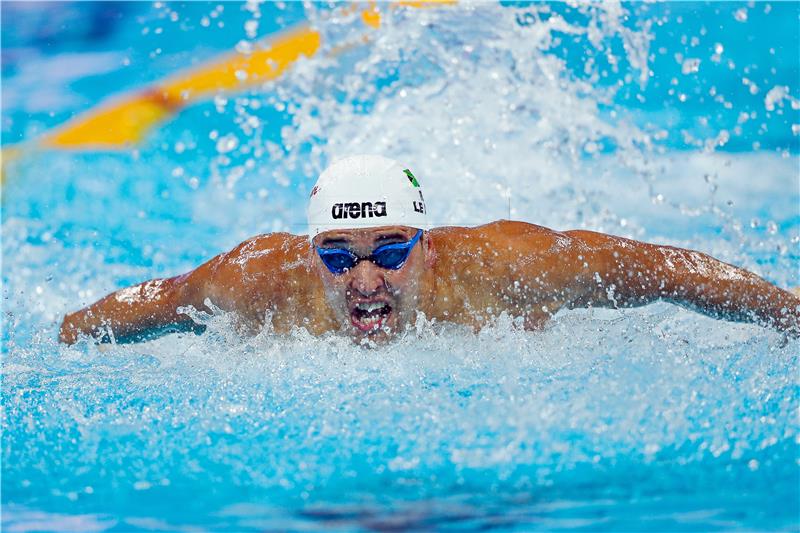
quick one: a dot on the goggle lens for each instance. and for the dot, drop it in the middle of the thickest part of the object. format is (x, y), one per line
(338, 260)
(389, 256)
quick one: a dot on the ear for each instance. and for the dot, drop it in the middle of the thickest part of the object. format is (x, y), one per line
(429, 248)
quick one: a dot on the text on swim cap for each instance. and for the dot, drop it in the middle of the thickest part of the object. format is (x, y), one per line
(419, 207)
(358, 210)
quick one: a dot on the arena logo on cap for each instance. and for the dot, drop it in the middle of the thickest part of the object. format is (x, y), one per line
(358, 210)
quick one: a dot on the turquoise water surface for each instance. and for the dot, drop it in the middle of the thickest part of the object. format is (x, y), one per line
(675, 123)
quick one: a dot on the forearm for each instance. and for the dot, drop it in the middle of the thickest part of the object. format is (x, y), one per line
(131, 314)
(705, 284)
(625, 273)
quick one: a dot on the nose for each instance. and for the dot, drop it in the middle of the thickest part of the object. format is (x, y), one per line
(367, 278)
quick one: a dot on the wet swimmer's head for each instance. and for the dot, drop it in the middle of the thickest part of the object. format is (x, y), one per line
(366, 217)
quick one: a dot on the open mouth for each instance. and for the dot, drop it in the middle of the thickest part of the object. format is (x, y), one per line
(370, 316)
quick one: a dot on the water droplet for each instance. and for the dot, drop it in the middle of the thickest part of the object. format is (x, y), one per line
(244, 47)
(227, 143)
(141, 485)
(251, 28)
(690, 65)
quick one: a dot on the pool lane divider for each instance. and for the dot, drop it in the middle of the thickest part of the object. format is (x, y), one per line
(121, 122)
(126, 121)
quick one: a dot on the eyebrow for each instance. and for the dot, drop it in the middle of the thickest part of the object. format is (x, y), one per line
(334, 240)
(399, 237)
(392, 237)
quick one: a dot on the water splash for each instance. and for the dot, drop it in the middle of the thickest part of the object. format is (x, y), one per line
(307, 422)
(653, 412)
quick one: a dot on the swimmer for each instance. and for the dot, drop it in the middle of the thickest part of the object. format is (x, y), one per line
(369, 268)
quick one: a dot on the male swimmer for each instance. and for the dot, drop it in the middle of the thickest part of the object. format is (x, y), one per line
(368, 268)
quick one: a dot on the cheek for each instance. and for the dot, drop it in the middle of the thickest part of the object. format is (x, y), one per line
(332, 284)
(335, 285)
(403, 281)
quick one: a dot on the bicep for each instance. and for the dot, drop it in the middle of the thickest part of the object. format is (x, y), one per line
(550, 270)
(610, 271)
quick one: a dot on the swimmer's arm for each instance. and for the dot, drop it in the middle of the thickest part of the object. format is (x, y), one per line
(150, 309)
(616, 272)
(138, 313)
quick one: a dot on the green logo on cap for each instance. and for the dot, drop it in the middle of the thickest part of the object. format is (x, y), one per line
(411, 177)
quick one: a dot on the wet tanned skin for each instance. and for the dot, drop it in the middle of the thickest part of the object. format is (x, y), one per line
(453, 274)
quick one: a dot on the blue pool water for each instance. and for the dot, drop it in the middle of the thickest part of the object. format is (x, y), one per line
(675, 123)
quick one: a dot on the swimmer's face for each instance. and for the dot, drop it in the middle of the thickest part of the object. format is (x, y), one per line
(371, 302)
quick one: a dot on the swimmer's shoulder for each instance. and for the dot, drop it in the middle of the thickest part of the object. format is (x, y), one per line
(500, 236)
(497, 251)
(261, 258)
(271, 251)
(260, 269)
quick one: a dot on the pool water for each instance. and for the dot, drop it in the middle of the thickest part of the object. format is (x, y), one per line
(674, 123)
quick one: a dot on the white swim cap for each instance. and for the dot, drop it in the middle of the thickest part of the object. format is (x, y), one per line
(365, 191)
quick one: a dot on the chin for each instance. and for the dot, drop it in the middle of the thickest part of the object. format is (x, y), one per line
(374, 338)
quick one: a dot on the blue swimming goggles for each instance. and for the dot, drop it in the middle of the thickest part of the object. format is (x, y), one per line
(390, 256)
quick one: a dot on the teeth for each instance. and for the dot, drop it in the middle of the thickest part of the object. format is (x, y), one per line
(371, 321)
(369, 307)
